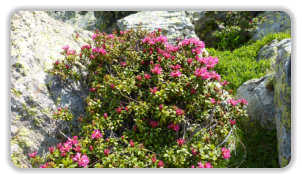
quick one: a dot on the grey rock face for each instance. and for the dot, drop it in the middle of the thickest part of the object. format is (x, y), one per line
(270, 51)
(36, 42)
(282, 85)
(276, 22)
(173, 23)
(260, 101)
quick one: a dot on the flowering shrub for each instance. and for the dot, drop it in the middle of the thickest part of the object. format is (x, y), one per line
(150, 104)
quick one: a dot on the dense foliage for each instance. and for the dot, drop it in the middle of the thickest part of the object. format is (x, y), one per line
(150, 104)
(228, 30)
(241, 64)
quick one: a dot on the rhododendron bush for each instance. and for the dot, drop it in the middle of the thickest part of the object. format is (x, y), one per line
(150, 104)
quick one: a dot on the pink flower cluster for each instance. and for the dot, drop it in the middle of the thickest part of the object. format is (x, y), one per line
(156, 70)
(65, 147)
(153, 90)
(99, 50)
(33, 155)
(175, 74)
(96, 134)
(235, 102)
(174, 127)
(154, 124)
(207, 165)
(203, 73)
(179, 112)
(82, 160)
(225, 153)
(180, 141)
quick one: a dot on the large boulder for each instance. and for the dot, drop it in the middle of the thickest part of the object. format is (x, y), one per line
(173, 23)
(282, 85)
(276, 22)
(260, 100)
(91, 20)
(36, 43)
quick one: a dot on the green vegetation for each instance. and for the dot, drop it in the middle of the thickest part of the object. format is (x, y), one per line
(241, 65)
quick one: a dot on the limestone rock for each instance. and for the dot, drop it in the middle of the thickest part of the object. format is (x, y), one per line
(36, 42)
(173, 23)
(276, 22)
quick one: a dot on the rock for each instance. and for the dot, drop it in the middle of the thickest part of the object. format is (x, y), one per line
(91, 20)
(282, 85)
(173, 23)
(276, 22)
(80, 19)
(36, 42)
(107, 20)
(270, 51)
(260, 100)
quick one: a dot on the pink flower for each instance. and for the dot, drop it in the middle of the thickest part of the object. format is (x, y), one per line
(189, 60)
(83, 161)
(147, 76)
(154, 90)
(106, 152)
(174, 127)
(179, 112)
(32, 155)
(78, 148)
(233, 102)
(76, 157)
(180, 141)
(175, 74)
(243, 101)
(57, 62)
(161, 106)
(156, 70)
(91, 148)
(153, 159)
(123, 64)
(96, 134)
(159, 58)
(139, 78)
(208, 165)
(212, 101)
(118, 110)
(200, 165)
(51, 149)
(112, 86)
(105, 115)
(232, 122)
(203, 73)
(67, 66)
(160, 164)
(154, 124)
(193, 166)
(63, 154)
(225, 153)
(44, 165)
(94, 36)
(92, 57)
(193, 91)
(159, 29)
(176, 67)
(131, 143)
(224, 82)
(215, 76)
(92, 89)
(194, 152)
(66, 47)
